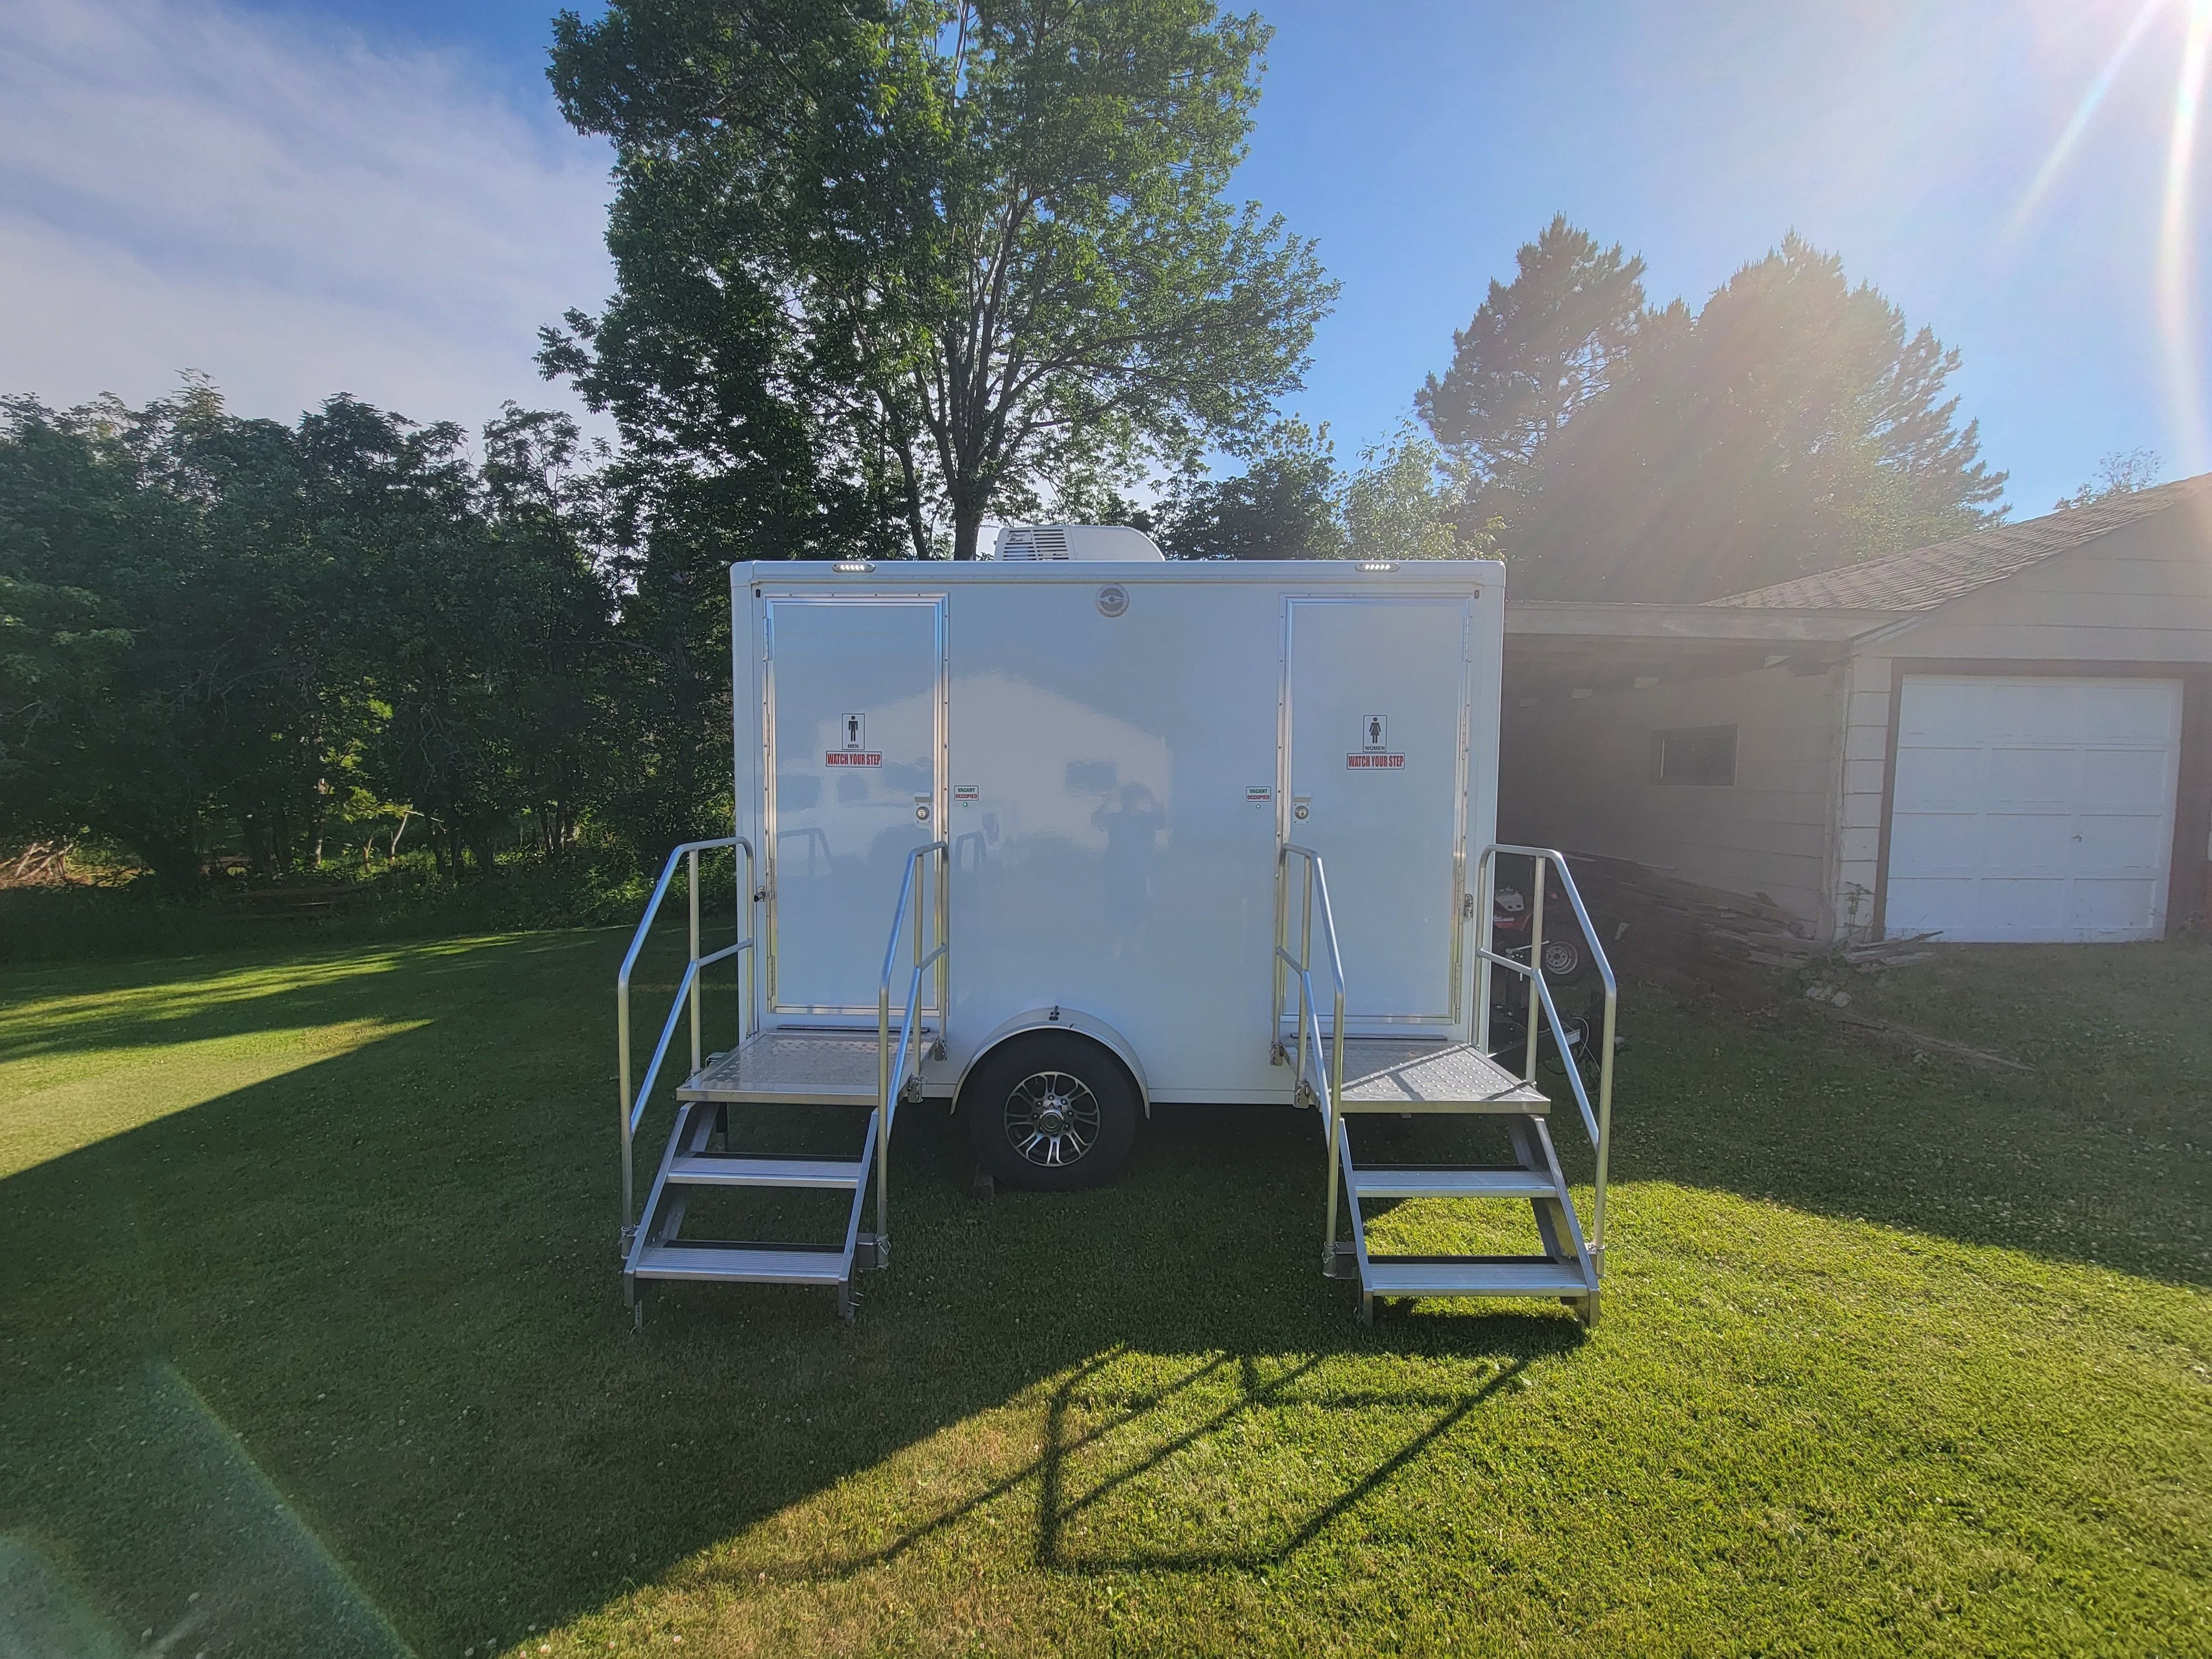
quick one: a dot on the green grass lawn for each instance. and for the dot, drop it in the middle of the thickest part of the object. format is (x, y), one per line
(312, 1342)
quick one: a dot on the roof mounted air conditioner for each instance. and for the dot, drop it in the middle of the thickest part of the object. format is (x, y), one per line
(1101, 544)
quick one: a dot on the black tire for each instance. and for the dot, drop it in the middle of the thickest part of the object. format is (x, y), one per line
(1563, 960)
(1051, 1111)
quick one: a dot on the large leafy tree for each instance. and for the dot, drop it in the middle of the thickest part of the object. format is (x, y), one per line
(1794, 423)
(213, 630)
(921, 261)
(1538, 349)
(1282, 505)
(100, 718)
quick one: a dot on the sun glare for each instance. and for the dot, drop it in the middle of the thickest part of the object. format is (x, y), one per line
(2176, 272)
(2176, 251)
(2091, 100)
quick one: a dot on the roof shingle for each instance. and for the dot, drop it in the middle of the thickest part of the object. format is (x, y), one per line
(1926, 577)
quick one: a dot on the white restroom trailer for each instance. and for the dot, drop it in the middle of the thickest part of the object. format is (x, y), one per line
(1071, 841)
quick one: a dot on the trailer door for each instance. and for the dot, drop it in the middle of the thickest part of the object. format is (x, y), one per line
(855, 731)
(1376, 761)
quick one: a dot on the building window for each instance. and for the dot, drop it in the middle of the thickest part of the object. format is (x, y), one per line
(1694, 754)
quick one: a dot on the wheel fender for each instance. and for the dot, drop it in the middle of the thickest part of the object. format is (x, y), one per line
(1059, 1018)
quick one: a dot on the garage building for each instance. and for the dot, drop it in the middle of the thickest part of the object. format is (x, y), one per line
(2003, 738)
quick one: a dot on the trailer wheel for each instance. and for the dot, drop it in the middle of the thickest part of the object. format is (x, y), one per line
(1051, 1111)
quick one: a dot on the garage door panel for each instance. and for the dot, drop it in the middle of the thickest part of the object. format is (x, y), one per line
(2040, 777)
(2139, 779)
(2018, 906)
(1919, 904)
(2031, 712)
(1956, 715)
(2137, 844)
(1938, 778)
(2024, 842)
(2120, 907)
(2033, 808)
(2145, 712)
(1936, 843)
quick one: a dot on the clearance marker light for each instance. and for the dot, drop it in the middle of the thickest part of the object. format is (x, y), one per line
(852, 567)
(1375, 565)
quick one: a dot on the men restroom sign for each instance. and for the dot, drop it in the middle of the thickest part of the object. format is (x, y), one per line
(1374, 753)
(853, 735)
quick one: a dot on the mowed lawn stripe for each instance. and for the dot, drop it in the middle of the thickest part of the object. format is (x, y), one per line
(1893, 1358)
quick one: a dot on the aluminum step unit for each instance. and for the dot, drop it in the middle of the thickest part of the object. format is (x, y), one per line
(872, 1071)
(1401, 1076)
(659, 1251)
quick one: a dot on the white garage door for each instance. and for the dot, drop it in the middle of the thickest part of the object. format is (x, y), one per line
(2033, 810)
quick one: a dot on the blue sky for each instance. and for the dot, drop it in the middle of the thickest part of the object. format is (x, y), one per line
(303, 197)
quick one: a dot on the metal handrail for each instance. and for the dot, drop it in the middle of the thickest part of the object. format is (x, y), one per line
(1597, 1123)
(1330, 1096)
(889, 1066)
(687, 992)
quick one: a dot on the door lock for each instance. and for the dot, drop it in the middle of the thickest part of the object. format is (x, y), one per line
(1301, 807)
(921, 809)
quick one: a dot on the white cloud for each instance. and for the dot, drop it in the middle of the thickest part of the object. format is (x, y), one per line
(291, 209)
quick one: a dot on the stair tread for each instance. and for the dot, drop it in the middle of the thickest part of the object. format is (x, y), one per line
(1472, 1276)
(762, 1169)
(758, 1264)
(1406, 1181)
(798, 1068)
(1405, 1074)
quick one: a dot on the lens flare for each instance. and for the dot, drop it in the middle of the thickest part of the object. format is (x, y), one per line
(2087, 109)
(2177, 248)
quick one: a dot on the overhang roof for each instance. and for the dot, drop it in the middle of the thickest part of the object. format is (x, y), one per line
(1598, 619)
(1556, 646)
(1926, 577)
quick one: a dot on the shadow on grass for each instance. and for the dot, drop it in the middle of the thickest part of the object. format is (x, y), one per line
(390, 1280)
(390, 1277)
(2067, 1163)
(191, 999)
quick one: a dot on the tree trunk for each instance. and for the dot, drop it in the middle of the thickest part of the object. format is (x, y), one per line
(917, 528)
(967, 529)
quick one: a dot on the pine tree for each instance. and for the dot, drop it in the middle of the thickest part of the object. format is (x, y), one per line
(1794, 424)
(1539, 351)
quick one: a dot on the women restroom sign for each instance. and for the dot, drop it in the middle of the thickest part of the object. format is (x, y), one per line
(852, 734)
(1374, 753)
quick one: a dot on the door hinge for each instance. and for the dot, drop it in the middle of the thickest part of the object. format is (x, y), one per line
(1467, 907)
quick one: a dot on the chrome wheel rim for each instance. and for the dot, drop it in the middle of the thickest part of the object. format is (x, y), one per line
(1052, 1118)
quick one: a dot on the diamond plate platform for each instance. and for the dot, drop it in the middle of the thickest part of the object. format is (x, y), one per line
(794, 1068)
(1395, 1074)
